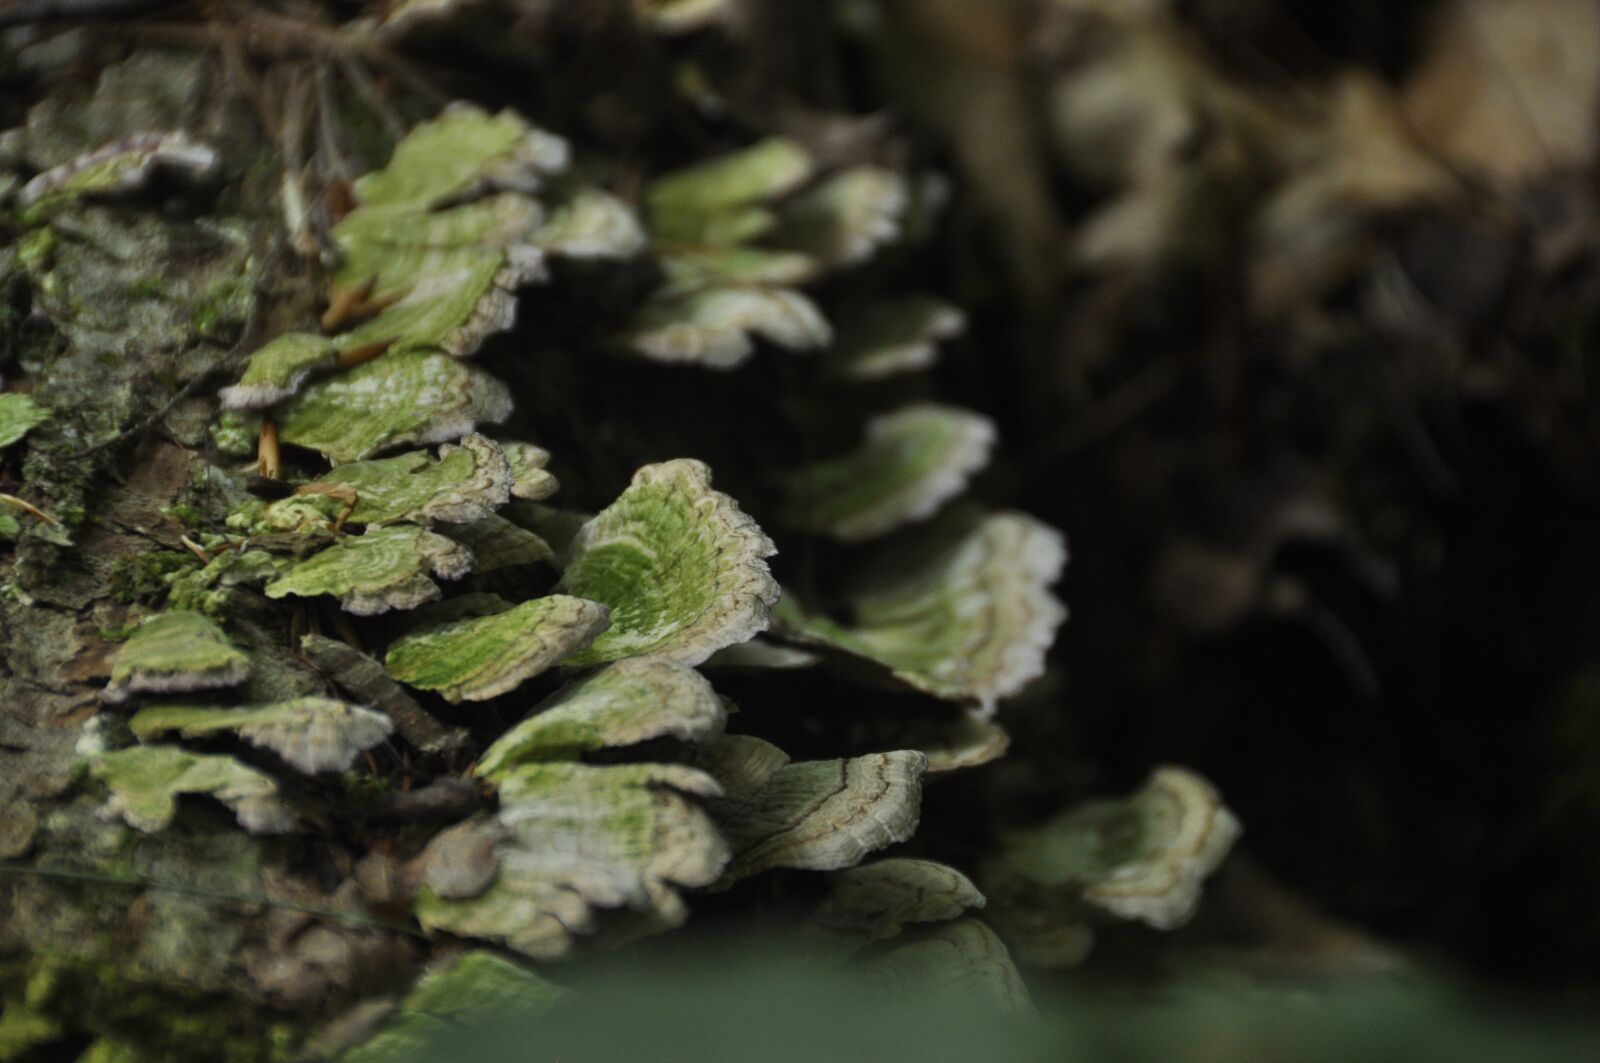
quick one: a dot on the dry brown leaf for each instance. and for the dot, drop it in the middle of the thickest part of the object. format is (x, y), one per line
(1511, 87)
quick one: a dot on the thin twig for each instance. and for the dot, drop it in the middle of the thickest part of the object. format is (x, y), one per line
(328, 129)
(354, 356)
(296, 115)
(29, 507)
(245, 337)
(237, 66)
(268, 461)
(342, 302)
(370, 95)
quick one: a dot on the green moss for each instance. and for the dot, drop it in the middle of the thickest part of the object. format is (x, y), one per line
(112, 1050)
(226, 302)
(147, 288)
(362, 784)
(70, 514)
(56, 998)
(24, 1028)
(149, 577)
(369, 139)
(36, 250)
(211, 601)
(185, 514)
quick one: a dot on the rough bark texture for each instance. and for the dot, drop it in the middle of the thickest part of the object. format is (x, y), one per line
(125, 316)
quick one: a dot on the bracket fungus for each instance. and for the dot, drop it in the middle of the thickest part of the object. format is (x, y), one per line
(467, 990)
(691, 269)
(313, 734)
(444, 233)
(485, 656)
(681, 567)
(623, 704)
(720, 201)
(381, 569)
(431, 258)
(969, 621)
(846, 217)
(590, 223)
(712, 326)
(416, 397)
(959, 960)
(175, 652)
(683, 16)
(893, 337)
(912, 461)
(741, 764)
(906, 923)
(1142, 858)
(880, 899)
(118, 168)
(721, 292)
(497, 543)
(146, 781)
(591, 819)
(439, 281)
(277, 370)
(574, 839)
(530, 480)
(463, 152)
(823, 815)
(463, 484)
(964, 739)
(761, 652)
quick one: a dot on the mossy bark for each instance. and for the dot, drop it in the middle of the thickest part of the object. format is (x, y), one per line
(123, 317)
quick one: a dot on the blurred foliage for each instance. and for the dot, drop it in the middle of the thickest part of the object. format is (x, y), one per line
(745, 996)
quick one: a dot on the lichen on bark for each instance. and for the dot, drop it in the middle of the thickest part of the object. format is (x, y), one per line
(134, 305)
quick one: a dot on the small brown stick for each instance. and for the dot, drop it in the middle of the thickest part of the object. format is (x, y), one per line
(364, 353)
(343, 492)
(268, 461)
(341, 200)
(296, 115)
(196, 549)
(342, 303)
(260, 33)
(29, 507)
(328, 139)
(372, 305)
